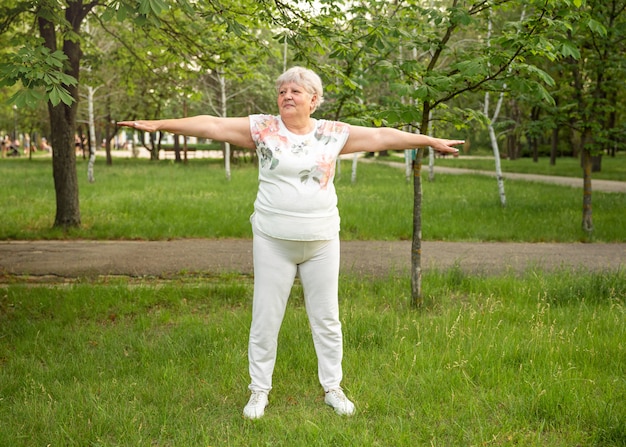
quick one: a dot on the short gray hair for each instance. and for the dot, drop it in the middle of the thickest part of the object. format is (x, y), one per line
(305, 78)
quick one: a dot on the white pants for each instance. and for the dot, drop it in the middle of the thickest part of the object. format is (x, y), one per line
(276, 263)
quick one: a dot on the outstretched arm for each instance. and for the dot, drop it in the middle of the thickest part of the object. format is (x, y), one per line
(375, 139)
(232, 130)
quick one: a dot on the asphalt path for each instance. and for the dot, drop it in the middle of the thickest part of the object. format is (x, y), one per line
(59, 260)
(574, 182)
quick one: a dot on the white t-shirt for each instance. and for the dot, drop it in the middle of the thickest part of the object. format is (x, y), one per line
(296, 199)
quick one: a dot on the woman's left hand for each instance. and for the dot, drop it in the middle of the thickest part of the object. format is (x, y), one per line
(446, 146)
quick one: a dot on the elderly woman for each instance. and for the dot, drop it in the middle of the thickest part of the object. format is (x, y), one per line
(295, 221)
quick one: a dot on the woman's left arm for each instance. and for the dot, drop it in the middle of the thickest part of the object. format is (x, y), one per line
(375, 139)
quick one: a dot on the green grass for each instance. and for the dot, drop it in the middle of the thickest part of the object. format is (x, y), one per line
(532, 360)
(139, 199)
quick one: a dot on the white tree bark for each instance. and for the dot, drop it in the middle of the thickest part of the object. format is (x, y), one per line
(224, 113)
(431, 153)
(492, 132)
(408, 163)
(92, 136)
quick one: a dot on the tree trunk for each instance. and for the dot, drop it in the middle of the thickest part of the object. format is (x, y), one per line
(92, 138)
(64, 166)
(408, 164)
(154, 147)
(431, 152)
(587, 223)
(494, 144)
(534, 148)
(224, 113)
(532, 137)
(510, 145)
(63, 124)
(555, 145)
(177, 158)
(416, 245)
(108, 136)
(596, 163)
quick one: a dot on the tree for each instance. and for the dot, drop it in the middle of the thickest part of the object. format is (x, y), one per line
(445, 58)
(493, 119)
(52, 22)
(208, 59)
(49, 56)
(47, 40)
(597, 78)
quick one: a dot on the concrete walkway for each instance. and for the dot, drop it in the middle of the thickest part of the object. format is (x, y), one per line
(574, 182)
(596, 184)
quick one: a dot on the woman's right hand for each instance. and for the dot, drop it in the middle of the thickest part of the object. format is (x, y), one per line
(144, 125)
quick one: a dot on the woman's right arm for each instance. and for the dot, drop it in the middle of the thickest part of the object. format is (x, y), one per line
(232, 130)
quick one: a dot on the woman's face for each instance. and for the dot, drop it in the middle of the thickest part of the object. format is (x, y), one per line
(293, 99)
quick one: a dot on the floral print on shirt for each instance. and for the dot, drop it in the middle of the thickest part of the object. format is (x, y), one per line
(270, 144)
(269, 141)
(321, 173)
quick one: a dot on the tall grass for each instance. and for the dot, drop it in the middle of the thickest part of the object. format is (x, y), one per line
(533, 360)
(138, 199)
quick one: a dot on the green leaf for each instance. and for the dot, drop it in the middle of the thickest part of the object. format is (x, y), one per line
(66, 79)
(66, 97)
(122, 13)
(144, 7)
(460, 16)
(596, 27)
(568, 49)
(426, 92)
(158, 6)
(541, 74)
(26, 98)
(55, 97)
(470, 68)
(32, 98)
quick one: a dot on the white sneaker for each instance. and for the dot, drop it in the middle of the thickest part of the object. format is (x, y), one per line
(255, 408)
(338, 400)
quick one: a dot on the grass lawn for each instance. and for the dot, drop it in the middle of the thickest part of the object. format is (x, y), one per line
(139, 199)
(537, 359)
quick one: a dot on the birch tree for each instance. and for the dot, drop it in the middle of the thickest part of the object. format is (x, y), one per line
(492, 119)
(92, 135)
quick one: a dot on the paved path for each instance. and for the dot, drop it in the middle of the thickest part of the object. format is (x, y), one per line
(52, 260)
(574, 182)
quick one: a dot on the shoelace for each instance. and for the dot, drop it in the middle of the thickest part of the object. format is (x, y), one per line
(254, 399)
(338, 394)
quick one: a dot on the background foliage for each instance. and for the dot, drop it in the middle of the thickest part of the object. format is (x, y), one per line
(558, 62)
